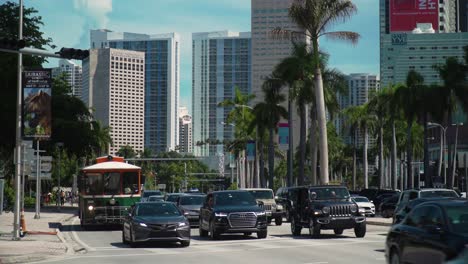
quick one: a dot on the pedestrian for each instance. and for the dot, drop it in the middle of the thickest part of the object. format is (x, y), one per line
(62, 196)
(57, 197)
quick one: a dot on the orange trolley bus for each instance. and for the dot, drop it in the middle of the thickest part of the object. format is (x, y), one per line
(107, 191)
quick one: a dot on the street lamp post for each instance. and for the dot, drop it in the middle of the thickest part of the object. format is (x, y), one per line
(452, 176)
(443, 142)
(59, 145)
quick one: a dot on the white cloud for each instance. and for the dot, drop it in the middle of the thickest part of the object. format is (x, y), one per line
(97, 10)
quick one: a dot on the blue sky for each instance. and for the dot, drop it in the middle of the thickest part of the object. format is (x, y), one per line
(68, 23)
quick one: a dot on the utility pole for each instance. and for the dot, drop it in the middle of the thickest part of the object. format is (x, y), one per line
(59, 145)
(38, 183)
(291, 144)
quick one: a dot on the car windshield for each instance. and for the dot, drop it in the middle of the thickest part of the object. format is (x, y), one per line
(151, 193)
(157, 209)
(361, 199)
(155, 198)
(235, 198)
(458, 218)
(436, 193)
(330, 193)
(262, 194)
(172, 197)
(191, 200)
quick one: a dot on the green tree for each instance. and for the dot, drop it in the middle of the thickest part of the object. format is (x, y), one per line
(126, 151)
(315, 18)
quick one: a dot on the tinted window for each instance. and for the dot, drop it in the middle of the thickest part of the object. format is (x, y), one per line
(172, 198)
(361, 199)
(155, 198)
(156, 209)
(151, 193)
(191, 200)
(93, 183)
(413, 195)
(112, 183)
(428, 194)
(435, 217)
(130, 182)
(417, 216)
(458, 218)
(235, 198)
(264, 194)
(330, 193)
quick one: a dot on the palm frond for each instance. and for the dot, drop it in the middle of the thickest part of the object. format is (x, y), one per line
(348, 36)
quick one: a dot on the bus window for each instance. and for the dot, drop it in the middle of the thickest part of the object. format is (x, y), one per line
(130, 182)
(93, 183)
(112, 183)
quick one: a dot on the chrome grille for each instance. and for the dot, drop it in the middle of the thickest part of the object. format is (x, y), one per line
(340, 210)
(266, 207)
(161, 227)
(242, 219)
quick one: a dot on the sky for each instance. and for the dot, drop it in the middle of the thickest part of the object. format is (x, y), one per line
(68, 23)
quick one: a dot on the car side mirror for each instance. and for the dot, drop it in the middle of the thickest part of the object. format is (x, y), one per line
(260, 203)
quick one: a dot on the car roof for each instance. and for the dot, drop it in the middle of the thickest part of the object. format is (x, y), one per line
(428, 190)
(194, 195)
(228, 191)
(447, 201)
(256, 189)
(176, 194)
(156, 202)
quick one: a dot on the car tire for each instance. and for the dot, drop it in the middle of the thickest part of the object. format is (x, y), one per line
(185, 243)
(269, 220)
(202, 232)
(395, 257)
(247, 233)
(278, 221)
(213, 234)
(338, 231)
(314, 230)
(262, 234)
(124, 240)
(360, 230)
(132, 239)
(295, 230)
(287, 215)
(384, 214)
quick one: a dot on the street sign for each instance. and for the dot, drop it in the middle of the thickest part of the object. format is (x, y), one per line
(162, 186)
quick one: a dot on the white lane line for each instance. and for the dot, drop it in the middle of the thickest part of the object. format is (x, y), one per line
(316, 263)
(77, 239)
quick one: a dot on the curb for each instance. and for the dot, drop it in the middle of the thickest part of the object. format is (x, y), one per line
(84, 248)
(378, 223)
(22, 259)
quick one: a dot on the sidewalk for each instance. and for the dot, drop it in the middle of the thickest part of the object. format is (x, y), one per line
(43, 239)
(378, 220)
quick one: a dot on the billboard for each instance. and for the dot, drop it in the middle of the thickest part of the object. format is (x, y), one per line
(250, 150)
(283, 136)
(37, 98)
(405, 14)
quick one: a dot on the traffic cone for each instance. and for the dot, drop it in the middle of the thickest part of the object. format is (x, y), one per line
(22, 221)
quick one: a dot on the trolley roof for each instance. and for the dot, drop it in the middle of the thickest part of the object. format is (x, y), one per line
(112, 165)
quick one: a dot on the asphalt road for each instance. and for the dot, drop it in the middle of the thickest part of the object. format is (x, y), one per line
(105, 246)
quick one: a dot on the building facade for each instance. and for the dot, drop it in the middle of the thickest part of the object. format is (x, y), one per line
(162, 80)
(221, 62)
(185, 131)
(73, 73)
(114, 87)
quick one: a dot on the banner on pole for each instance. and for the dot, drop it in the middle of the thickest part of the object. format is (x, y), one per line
(37, 97)
(232, 160)
(283, 136)
(250, 150)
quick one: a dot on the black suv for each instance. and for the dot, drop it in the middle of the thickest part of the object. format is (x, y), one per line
(324, 207)
(282, 198)
(232, 212)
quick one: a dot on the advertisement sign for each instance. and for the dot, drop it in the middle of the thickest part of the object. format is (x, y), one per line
(37, 97)
(283, 136)
(405, 14)
(232, 160)
(250, 151)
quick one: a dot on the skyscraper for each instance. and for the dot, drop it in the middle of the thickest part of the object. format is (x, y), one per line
(185, 131)
(221, 62)
(162, 69)
(73, 72)
(113, 86)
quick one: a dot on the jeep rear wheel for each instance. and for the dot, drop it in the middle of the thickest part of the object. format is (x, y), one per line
(279, 221)
(314, 230)
(360, 229)
(262, 234)
(295, 230)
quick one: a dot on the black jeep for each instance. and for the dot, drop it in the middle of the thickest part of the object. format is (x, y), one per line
(324, 207)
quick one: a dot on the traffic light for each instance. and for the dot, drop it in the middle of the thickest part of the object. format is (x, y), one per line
(73, 54)
(12, 44)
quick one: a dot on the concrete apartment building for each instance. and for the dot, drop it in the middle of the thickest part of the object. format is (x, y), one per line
(73, 75)
(114, 87)
(221, 62)
(162, 82)
(185, 131)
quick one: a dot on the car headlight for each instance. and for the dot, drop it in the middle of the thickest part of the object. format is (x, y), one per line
(143, 225)
(261, 213)
(279, 207)
(354, 208)
(362, 210)
(221, 214)
(90, 208)
(326, 210)
(182, 224)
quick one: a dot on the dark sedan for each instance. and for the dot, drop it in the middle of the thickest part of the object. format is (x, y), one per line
(156, 221)
(433, 232)
(387, 206)
(190, 205)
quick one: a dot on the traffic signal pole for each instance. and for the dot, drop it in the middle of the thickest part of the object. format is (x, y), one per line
(33, 51)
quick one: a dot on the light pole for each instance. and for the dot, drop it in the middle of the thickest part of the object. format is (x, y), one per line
(452, 176)
(443, 142)
(59, 146)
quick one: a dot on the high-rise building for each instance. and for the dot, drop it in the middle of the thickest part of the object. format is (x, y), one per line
(221, 62)
(462, 20)
(267, 52)
(73, 75)
(185, 131)
(114, 87)
(162, 69)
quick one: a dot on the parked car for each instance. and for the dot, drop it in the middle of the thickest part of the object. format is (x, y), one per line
(172, 197)
(373, 193)
(273, 211)
(155, 221)
(379, 199)
(401, 214)
(364, 205)
(412, 194)
(325, 207)
(155, 198)
(147, 193)
(190, 205)
(433, 232)
(282, 198)
(387, 206)
(232, 212)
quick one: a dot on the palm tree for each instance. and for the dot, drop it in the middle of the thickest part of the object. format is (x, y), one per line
(267, 115)
(101, 135)
(314, 18)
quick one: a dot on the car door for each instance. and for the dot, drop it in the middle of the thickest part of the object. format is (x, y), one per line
(205, 212)
(433, 242)
(128, 222)
(410, 234)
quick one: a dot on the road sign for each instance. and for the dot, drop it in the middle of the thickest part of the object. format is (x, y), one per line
(161, 186)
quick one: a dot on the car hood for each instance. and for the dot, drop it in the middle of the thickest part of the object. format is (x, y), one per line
(239, 208)
(267, 201)
(160, 219)
(190, 207)
(364, 204)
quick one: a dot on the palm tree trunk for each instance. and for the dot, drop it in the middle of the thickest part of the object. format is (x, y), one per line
(271, 158)
(321, 116)
(302, 144)
(394, 158)
(381, 159)
(354, 160)
(409, 155)
(313, 147)
(427, 177)
(261, 168)
(364, 160)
